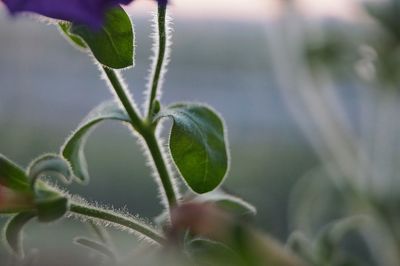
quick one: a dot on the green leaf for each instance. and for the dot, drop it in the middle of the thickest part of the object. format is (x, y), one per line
(198, 145)
(73, 149)
(13, 232)
(75, 40)
(50, 206)
(12, 176)
(49, 165)
(96, 246)
(228, 202)
(113, 44)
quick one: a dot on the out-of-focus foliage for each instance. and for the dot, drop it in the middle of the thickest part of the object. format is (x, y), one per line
(343, 88)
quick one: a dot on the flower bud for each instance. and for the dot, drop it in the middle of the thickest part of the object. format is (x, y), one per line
(14, 201)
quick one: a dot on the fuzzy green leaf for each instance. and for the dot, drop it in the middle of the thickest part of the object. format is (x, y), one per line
(228, 202)
(113, 44)
(198, 145)
(50, 205)
(13, 232)
(73, 149)
(75, 40)
(50, 164)
(12, 176)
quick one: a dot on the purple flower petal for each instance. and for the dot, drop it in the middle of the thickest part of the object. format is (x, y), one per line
(90, 12)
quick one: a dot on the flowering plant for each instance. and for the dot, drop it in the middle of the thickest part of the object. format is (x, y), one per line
(351, 196)
(204, 218)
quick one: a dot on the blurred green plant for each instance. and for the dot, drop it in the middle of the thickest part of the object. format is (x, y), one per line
(354, 130)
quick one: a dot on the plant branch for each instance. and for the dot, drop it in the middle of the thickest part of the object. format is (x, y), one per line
(148, 133)
(162, 46)
(162, 169)
(145, 127)
(123, 96)
(109, 216)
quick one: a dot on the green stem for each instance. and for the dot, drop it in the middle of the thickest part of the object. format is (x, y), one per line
(162, 46)
(148, 133)
(122, 94)
(162, 169)
(112, 217)
(150, 137)
(145, 128)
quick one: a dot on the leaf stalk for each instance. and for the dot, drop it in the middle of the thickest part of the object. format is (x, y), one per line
(109, 216)
(162, 47)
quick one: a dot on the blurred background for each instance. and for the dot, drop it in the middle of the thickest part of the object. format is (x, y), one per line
(291, 78)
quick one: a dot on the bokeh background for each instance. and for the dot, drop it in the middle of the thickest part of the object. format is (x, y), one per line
(220, 56)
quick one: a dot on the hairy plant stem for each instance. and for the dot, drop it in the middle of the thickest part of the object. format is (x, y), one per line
(150, 137)
(162, 169)
(145, 126)
(123, 96)
(162, 46)
(147, 131)
(109, 216)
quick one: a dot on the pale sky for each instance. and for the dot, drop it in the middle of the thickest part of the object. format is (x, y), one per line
(248, 9)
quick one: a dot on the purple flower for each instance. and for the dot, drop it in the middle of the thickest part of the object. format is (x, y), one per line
(90, 12)
(162, 2)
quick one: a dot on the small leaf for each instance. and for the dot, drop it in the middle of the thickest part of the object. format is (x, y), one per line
(13, 232)
(96, 246)
(113, 44)
(12, 176)
(73, 149)
(51, 206)
(156, 107)
(228, 202)
(75, 40)
(50, 164)
(198, 145)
